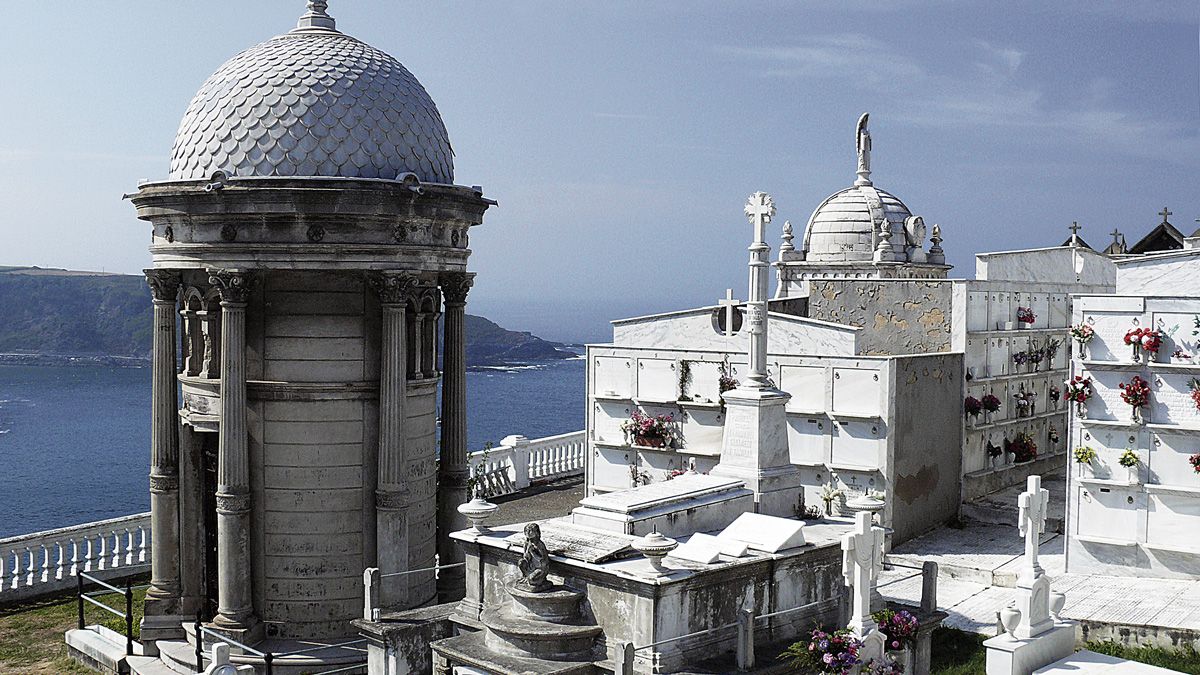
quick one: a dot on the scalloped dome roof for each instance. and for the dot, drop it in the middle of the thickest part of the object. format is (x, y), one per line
(312, 102)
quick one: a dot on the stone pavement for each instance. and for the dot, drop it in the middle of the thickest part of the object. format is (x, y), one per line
(978, 566)
(539, 502)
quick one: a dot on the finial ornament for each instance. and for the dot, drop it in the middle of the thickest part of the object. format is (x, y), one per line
(316, 17)
(787, 239)
(862, 143)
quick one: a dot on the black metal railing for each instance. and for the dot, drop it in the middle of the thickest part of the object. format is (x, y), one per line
(108, 589)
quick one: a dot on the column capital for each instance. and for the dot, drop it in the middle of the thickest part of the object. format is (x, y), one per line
(455, 286)
(393, 287)
(164, 284)
(233, 285)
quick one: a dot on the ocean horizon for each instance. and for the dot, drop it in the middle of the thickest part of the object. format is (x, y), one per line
(75, 440)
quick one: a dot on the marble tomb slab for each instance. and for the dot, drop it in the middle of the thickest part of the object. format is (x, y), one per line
(769, 534)
(578, 543)
(676, 508)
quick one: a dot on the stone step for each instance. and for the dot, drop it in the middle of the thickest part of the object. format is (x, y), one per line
(993, 513)
(149, 665)
(98, 648)
(179, 656)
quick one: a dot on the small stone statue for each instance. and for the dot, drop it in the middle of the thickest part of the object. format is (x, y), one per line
(535, 561)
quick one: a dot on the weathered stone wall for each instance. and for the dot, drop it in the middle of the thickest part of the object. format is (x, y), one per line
(927, 459)
(901, 316)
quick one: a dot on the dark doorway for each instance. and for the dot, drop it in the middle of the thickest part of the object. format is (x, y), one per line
(209, 506)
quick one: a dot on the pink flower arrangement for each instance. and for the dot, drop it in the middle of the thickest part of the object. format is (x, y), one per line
(1026, 315)
(1194, 389)
(1194, 460)
(653, 431)
(899, 628)
(1083, 333)
(833, 653)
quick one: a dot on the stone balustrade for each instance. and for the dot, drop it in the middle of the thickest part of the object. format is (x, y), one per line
(519, 462)
(43, 563)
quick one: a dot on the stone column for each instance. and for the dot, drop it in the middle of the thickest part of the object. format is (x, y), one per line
(454, 472)
(391, 491)
(429, 342)
(163, 594)
(235, 611)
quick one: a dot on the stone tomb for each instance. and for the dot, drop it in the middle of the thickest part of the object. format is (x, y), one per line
(678, 507)
(634, 603)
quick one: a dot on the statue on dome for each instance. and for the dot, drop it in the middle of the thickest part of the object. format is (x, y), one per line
(862, 142)
(914, 230)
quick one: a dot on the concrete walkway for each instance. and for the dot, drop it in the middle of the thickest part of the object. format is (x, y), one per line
(978, 566)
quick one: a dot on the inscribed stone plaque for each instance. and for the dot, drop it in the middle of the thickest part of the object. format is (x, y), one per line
(977, 311)
(729, 547)
(857, 444)
(1170, 516)
(807, 439)
(856, 391)
(1106, 512)
(757, 316)
(697, 550)
(806, 384)
(579, 543)
(770, 534)
(656, 380)
(613, 376)
(739, 424)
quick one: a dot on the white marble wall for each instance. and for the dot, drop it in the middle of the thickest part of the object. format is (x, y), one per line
(1166, 274)
(696, 329)
(1059, 264)
(1144, 523)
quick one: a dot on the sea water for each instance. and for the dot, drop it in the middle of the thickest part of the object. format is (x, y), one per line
(75, 440)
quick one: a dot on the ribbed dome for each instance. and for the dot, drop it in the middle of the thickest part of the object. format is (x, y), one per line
(842, 227)
(313, 102)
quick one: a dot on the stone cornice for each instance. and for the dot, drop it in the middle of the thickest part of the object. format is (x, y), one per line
(164, 284)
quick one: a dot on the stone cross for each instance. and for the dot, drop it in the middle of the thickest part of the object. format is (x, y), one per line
(1164, 213)
(729, 303)
(760, 209)
(1031, 522)
(1074, 228)
(1033, 586)
(862, 561)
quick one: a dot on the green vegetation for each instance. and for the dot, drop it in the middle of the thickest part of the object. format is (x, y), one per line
(956, 652)
(31, 634)
(1186, 660)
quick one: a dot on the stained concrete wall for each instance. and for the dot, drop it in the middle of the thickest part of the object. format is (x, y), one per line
(902, 316)
(927, 430)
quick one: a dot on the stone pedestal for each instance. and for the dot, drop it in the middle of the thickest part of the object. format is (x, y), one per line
(1008, 655)
(755, 449)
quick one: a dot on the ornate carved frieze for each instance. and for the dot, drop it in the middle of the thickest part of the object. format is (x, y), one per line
(394, 288)
(234, 286)
(160, 483)
(233, 503)
(164, 284)
(456, 285)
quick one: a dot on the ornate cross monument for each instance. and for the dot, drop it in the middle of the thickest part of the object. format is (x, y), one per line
(862, 560)
(1033, 587)
(755, 448)
(1034, 634)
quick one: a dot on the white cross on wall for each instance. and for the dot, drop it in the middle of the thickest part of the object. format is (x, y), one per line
(729, 303)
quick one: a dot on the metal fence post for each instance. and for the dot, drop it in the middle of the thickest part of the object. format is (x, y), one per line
(929, 575)
(269, 659)
(199, 643)
(128, 619)
(745, 641)
(79, 585)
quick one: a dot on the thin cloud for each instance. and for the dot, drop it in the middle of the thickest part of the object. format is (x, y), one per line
(621, 116)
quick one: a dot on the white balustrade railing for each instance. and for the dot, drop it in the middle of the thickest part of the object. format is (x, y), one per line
(519, 462)
(43, 563)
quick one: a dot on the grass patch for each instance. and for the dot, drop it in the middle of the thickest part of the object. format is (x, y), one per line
(31, 634)
(1186, 660)
(956, 652)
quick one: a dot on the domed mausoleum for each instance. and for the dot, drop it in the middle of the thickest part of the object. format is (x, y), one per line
(861, 232)
(305, 244)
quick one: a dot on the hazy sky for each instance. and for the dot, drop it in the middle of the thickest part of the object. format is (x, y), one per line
(622, 138)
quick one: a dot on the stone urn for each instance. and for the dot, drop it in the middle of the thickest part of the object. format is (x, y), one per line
(865, 503)
(1057, 601)
(1009, 618)
(655, 547)
(476, 512)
